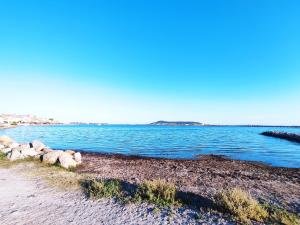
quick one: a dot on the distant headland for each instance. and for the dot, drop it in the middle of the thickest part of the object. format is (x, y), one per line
(176, 123)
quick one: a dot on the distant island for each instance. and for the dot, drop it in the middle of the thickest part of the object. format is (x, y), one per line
(176, 123)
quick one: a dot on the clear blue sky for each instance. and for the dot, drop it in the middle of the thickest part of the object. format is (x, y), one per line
(232, 62)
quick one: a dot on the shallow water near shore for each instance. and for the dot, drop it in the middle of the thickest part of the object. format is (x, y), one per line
(236, 142)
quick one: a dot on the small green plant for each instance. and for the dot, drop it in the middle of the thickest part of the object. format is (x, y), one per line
(158, 192)
(96, 188)
(281, 216)
(14, 123)
(241, 205)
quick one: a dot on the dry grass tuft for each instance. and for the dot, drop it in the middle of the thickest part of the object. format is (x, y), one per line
(158, 192)
(6, 163)
(56, 176)
(95, 188)
(281, 216)
(241, 205)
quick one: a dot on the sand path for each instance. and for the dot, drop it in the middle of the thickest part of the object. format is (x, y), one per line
(25, 200)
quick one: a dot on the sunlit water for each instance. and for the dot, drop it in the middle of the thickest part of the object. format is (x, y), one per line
(167, 141)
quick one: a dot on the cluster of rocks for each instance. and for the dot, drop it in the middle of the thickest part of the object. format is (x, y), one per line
(15, 151)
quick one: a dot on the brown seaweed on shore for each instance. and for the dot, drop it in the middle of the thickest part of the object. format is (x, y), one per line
(203, 177)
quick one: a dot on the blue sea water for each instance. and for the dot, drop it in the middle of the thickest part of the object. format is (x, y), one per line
(236, 142)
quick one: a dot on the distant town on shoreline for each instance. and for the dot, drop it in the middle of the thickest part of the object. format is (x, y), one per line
(8, 120)
(12, 120)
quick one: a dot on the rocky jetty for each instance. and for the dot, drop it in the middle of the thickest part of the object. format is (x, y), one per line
(36, 149)
(283, 135)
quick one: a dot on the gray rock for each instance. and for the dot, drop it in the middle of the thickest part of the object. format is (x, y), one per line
(67, 161)
(51, 157)
(15, 154)
(26, 152)
(21, 152)
(47, 150)
(71, 152)
(37, 145)
(8, 155)
(23, 146)
(77, 157)
(13, 145)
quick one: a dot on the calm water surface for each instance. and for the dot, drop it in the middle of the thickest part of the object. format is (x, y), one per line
(167, 141)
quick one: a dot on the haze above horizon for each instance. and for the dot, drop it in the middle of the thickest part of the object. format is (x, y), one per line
(216, 62)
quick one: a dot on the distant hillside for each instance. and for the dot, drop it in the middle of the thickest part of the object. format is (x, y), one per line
(176, 123)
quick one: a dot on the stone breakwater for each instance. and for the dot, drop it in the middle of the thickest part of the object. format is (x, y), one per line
(36, 149)
(283, 135)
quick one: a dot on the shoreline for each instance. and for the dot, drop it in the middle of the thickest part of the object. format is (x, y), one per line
(196, 158)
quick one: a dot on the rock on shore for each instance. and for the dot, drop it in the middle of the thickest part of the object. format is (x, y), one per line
(15, 151)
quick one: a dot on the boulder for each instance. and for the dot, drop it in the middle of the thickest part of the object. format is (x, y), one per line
(13, 145)
(37, 145)
(8, 155)
(5, 150)
(5, 140)
(22, 146)
(77, 157)
(14, 155)
(71, 152)
(26, 152)
(66, 160)
(2, 146)
(46, 150)
(51, 157)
